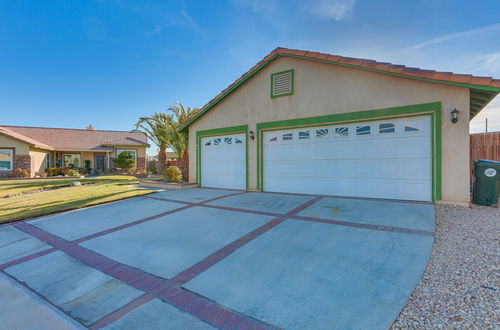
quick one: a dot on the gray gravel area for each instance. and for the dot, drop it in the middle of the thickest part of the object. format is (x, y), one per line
(460, 287)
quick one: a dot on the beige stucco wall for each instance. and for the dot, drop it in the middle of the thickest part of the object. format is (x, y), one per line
(88, 156)
(21, 148)
(38, 160)
(323, 89)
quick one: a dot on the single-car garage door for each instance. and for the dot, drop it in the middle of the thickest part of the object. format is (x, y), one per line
(223, 161)
(379, 159)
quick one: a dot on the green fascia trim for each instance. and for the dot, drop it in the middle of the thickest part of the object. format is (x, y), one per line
(215, 132)
(241, 82)
(432, 109)
(479, 87)
(293, 82)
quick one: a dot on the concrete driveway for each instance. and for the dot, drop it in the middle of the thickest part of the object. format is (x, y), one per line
(208, 258)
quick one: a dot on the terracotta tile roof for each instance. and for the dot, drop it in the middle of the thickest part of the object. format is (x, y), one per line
(73, 139)
(488, 84)
(22, 138)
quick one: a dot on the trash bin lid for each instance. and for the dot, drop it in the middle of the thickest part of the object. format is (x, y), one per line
(483, 161)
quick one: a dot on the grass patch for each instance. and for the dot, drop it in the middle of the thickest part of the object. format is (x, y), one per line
(13, 187)
(47, 202)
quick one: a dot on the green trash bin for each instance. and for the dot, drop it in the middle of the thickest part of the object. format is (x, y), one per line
(487, 186)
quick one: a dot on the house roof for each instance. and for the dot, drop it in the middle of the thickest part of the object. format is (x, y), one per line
(73, 139)
(483, 89)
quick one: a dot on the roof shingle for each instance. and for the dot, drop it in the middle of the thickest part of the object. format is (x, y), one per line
(73, 139)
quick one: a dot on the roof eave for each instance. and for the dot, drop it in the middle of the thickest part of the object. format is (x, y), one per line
(276, 53)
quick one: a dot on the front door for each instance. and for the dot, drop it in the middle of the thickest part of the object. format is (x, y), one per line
(99, 163)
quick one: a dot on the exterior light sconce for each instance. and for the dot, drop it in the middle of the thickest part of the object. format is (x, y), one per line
(252, 135)
(454, 115)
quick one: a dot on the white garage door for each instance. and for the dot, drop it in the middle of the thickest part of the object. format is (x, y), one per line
(223, 161)
(382, 159)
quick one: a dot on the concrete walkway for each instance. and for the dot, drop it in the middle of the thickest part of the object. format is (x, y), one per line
(208, 258)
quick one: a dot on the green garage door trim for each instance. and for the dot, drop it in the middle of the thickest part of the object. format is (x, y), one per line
(214, 132)
(432, 109)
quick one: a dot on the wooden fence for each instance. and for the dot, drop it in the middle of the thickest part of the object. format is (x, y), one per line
(484, 146)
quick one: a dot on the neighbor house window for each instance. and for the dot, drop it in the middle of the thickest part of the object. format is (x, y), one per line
(47, 160)
(6, 159)
(72, 160)
(133, 153)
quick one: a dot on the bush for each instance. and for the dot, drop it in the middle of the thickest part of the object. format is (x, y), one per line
(173, 173)
(21, 173)
(54, 171)
(72, 172)
(124, 161)
(88, 168)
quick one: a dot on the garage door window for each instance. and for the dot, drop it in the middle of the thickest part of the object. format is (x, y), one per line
(411, 129)
(303, 135)
(217, 141)
(273, 139)
(208, 143)
(236, 140)
(342, 131)
(228, 140)
(320, 133)
(386, 128)
(363, 130)
(287, 136)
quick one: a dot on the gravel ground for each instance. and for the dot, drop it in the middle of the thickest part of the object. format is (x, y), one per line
(460, 287)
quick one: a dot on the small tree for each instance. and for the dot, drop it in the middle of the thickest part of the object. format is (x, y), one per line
(124, 161)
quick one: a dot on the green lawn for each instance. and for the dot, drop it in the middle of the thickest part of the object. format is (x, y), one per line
(64, 199)
(12, 187)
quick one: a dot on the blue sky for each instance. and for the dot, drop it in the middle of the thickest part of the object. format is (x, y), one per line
(108, 62)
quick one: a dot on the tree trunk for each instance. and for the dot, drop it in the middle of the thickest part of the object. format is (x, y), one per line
(184, 166)
(162, 160)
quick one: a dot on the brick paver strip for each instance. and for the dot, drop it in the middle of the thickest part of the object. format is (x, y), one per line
(154, 286)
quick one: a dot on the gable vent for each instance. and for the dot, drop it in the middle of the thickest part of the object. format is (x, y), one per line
(282, 83)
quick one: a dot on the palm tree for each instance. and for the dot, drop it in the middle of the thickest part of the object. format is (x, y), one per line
(179, 141)
(156, 128)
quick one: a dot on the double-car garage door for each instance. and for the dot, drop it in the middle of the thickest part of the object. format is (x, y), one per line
(378, 159)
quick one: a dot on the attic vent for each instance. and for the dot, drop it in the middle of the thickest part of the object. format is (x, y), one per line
(282, 83)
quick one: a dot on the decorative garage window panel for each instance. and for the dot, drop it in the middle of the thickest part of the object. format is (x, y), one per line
(362, 130)
(282, 83)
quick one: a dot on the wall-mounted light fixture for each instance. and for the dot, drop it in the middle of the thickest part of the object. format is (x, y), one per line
(454, 115)
(252, 135)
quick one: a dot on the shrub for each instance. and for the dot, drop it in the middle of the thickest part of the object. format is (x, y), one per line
(88, 168)
(124, 161)
(54, 171)
(21, 173)
(72, 172)
(173, 173)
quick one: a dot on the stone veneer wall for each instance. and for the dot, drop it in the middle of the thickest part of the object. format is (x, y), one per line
(24, 161)
(141, 163)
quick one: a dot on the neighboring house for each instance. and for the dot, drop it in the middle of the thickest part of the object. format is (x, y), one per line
(36, 148)
(307, 122)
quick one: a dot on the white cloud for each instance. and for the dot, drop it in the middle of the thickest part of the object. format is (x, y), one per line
(333, 9)
(458, 35)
